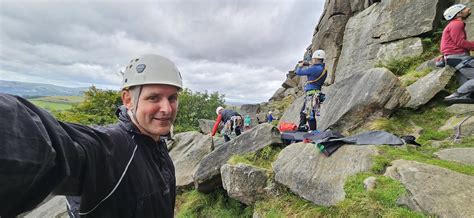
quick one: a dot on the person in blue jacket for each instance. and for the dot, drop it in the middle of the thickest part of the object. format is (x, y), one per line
(316, 74)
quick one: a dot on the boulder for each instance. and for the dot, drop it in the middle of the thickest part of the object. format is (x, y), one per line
(384, 28)
(53, 206)
(460, 155)
(329, 32)
(250, 109)
(189, 148)
(317, 178)
(434, 190)
(206, 125)
(400, 48)
(429, 65)
(292, 114)
(244, 182)
(364, 96)
(207, 174)
(424, 89)
(466, 128)
(461, 109)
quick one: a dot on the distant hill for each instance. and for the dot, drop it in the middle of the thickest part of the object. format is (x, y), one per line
(38, 89)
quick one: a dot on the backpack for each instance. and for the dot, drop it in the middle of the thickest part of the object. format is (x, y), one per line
(287, 126)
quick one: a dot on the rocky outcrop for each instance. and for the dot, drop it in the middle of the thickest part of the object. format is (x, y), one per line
(427, 87)
(244, 183)
(469, 22)
(189, 148)
(207, 174)
(364, 96)
(328, 34)
(462, 125)
(206, 125)
(292, 114)
(460, 155)
(434, 190)
(53, 206)
(461, 109)
(317, 178)
(383, 28)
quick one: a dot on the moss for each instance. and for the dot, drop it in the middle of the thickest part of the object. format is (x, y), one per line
(262, 158)
(412, 76)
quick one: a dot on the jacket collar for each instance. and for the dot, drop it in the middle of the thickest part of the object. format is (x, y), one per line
(125, 120)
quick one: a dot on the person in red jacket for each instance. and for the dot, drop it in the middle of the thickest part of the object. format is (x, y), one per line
(455, 48)
(232, 122)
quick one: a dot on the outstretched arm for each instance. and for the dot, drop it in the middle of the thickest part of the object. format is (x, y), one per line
(36, 155)
(216, 124)
(312, 70)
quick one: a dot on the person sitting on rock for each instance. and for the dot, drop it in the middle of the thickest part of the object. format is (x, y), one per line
(455, 48)
(316, 73)
(232, 122)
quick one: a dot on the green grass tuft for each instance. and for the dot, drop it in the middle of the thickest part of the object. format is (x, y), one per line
(262, 158)
(214, 204)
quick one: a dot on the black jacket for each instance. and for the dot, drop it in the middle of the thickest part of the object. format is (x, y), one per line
(227, 114)
(38, 154)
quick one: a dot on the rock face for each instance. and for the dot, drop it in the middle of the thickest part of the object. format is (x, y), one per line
(206, 126)
(329, 32)
(469, 22)
(427, 87)
(358, 99)
(317, 178)
(384, 28)
(244, 183)
(460, 155)
(53, 206)
(462, 125)
(460, 108)
(434, 190)
(188, 150)
(207, 174)
(292, 114)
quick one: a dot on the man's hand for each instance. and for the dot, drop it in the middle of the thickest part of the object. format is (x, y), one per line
(301, 63)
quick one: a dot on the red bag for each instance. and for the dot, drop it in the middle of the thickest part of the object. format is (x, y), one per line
(287, 126)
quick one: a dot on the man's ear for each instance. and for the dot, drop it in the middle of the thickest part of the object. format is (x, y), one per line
(127, 99)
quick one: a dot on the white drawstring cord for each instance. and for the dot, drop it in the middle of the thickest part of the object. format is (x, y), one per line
(118, 183)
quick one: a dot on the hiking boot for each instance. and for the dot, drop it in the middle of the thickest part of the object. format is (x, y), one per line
(457, 98)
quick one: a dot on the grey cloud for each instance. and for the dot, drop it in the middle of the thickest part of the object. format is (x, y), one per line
(215, 43)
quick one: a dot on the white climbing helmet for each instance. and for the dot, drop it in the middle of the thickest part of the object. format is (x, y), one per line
(451, 12)
(151, 69)
(219, 109)
(319, 54)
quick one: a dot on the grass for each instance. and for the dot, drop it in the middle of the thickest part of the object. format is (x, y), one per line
(358, 203)
(56, 103)
(214, 204)
(262, 158)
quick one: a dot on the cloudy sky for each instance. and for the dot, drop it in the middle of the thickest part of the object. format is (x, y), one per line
(240, 48)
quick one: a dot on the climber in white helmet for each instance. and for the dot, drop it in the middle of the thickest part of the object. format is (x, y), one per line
(455, 48)
(119, 170)
(316, 73)
(232, 122)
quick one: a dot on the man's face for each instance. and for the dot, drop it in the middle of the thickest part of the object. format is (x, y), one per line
(157, 109)
(465, 13)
